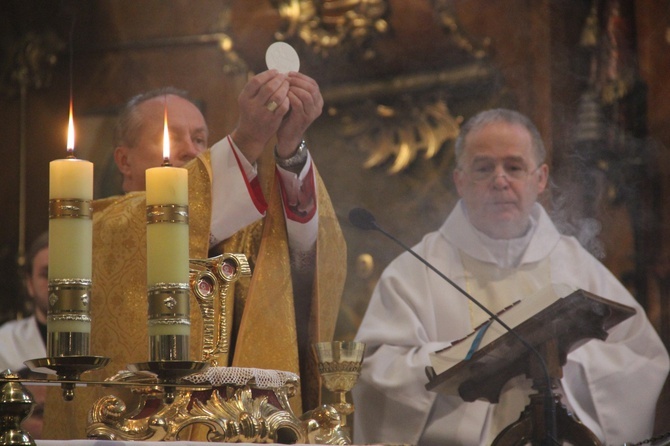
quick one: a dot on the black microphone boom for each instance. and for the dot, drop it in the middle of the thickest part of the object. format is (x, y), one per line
(363, 219)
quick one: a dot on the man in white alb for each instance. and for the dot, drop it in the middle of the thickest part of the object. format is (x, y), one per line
(499, 245)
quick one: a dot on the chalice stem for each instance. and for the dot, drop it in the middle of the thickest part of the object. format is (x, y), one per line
(344, 407)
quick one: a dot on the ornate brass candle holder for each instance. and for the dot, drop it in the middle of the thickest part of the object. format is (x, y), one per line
(68, 315)
(209, 281)
(169, 373)
(169, 337)
(68, 334)
(169, 325)
(68, 369)
(339, 366)
(169, 322)
(16, 404)
(68, 319)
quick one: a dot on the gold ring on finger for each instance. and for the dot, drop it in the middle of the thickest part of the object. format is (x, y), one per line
(272, 106)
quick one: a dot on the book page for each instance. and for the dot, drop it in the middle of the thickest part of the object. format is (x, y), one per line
(513, 316)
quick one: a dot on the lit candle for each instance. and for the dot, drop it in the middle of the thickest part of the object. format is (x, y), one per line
(167, 258)
(70, 252)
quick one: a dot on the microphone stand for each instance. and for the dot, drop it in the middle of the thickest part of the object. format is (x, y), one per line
(549, 407)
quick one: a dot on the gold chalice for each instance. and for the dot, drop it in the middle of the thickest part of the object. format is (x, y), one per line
(339, 366)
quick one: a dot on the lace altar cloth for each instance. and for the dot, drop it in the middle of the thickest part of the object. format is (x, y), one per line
(239, 376)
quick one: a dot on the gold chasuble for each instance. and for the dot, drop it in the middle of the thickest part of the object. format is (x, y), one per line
(264, 329)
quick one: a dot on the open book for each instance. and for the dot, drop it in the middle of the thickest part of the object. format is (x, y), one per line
(513, 316)
(553, 322)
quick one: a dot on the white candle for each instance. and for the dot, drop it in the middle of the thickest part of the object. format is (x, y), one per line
(167, 258)
(70, 239)
(167, 242)
(70, 252)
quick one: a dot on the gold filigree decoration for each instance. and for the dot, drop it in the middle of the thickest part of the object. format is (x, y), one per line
(449, 24)
(345, 366)
(210, 281)
(245, 419)
(340, 381)
(324, 426)
(236, 416)
(398, 134)
(328, 25)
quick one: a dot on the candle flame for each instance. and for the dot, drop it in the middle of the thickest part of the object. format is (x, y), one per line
(166, 139)
(70, 133)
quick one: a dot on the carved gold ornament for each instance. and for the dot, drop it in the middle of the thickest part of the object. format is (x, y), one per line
(398, 134)
(449, 24)
(231, 414)
(210, 284)
(329, 25)
(219, 404)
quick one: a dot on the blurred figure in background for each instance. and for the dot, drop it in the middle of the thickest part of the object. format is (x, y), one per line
(25, 339)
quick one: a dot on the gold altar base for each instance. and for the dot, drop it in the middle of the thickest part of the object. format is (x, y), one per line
(228, 413)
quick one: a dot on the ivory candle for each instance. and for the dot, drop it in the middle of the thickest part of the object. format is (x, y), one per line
(70, 238)
(167, 259)
(167, 241)
(70, 253)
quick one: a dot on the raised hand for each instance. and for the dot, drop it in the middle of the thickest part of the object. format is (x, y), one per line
(263, 104)
(306, 104)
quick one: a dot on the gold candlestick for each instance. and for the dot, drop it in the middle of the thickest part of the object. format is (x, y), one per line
(68, 317)
(169, 324)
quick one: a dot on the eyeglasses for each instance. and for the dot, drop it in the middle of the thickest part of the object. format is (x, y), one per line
(486, 170)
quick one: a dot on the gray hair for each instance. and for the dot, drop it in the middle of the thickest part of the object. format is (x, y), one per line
(129, 123)
(486, 117)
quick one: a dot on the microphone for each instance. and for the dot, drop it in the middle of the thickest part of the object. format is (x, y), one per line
(363, 219)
